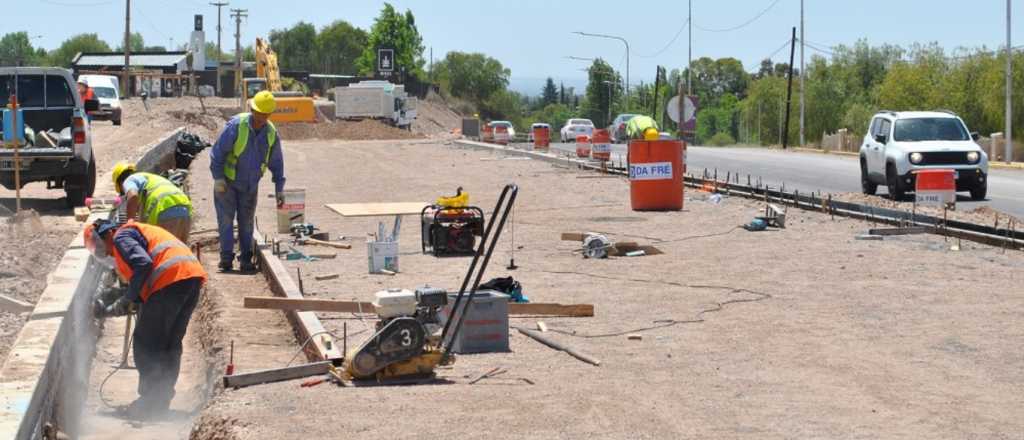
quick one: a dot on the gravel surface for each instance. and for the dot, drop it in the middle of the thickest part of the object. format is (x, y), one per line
(802, 332)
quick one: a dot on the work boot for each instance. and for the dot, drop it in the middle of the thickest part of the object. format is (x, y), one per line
(247, 267)
(145, 409)
(225, 265)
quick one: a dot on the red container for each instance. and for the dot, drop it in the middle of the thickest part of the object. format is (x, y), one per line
(583, 145)
(488, 133)
(541, 138)
(501, 135)
(935, 186)
(602, 145)
(656, 175)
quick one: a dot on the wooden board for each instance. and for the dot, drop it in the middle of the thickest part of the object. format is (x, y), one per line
(327, 305)
(376, 209)
(276, 374)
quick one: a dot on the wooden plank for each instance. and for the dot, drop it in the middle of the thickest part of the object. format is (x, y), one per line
(276, 374)
(573, 236)
(328, 305)
(376, 209)
(327, 243)
(899, 231)
(14, 305)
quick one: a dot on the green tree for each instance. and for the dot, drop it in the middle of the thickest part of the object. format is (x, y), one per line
(338, 46)
(71, 47)
(550, 93)
(396, 31)
(600, 98)
(16, 49)
(472, 76)
(136, 42)
(713, 79)
(295, 46)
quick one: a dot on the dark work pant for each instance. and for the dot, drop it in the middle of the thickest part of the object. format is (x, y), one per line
(229, 205)
(163, 321)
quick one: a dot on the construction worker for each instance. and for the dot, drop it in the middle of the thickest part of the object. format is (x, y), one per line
(165, 277)
(161, 201)
(642, 127)
(247, 147)
(87, 95)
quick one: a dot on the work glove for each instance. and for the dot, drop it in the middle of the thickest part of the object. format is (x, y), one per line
(220, 186)
(120, 307)
(280, 199)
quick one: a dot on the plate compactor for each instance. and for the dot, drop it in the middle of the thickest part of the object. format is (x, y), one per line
(450, 226)
(409, 342)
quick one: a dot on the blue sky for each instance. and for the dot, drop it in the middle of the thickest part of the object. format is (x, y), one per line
(532, 37)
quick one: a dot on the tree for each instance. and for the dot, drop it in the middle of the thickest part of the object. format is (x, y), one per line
(16, 49)
(395, 31)
(472, 76)
(600, 97)
(295, 46)
(713, 79)
(136, 42)
(550, 93)
(71, 47)
(338, 46)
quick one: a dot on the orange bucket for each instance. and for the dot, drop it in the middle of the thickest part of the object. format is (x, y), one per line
(583, 145)
(602, 148)
(488, 133)
(541, 138)
(501, 135)
(656, 175)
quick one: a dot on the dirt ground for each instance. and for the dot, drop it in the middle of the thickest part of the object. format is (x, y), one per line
(802, 332)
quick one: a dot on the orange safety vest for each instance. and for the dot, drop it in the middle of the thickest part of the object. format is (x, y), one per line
(172, 260)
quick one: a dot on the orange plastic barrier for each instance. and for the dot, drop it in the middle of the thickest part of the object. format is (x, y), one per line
(501, 135)
(656, 175)
(488, 133)
(583, 145)
(542, 138)
(602, 148)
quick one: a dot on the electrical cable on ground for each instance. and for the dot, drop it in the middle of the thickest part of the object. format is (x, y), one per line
(742, 25)
(103, 399)
(693, 237)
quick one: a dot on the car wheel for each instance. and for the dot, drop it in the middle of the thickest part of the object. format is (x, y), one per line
(866, 184)
(893, 182)
(78, 188)
(979, 192)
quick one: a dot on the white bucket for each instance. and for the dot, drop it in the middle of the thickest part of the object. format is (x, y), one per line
(292, 211)
(383, 255)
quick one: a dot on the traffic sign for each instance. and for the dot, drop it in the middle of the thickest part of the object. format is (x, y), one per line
(385, 60)
(689, 111)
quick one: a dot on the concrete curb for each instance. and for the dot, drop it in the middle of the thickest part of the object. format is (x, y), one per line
(45, 377)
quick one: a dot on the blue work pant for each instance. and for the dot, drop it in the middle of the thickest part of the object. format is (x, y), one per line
(156, 342)
(231, 204)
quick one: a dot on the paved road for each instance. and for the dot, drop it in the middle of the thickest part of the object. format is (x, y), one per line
(821, 172)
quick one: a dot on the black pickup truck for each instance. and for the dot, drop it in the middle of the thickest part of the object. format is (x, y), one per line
(60, 138)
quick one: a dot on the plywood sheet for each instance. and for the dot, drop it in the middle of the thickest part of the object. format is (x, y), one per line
(376, 209)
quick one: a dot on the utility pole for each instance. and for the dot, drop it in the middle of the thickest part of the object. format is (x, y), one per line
(802, 73)
(127, 47)
(1008, 149)
(689, 54)
(220, 52)
(789, 90)
(238, 15)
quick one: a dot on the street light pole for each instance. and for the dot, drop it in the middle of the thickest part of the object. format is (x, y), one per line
(689, 54)
(802, 74)
(608, 118)
(623, 40)
(1008, 149)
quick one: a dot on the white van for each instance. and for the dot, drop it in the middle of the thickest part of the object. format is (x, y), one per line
(108, 92)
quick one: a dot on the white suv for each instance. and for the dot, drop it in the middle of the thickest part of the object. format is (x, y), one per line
(899, 143)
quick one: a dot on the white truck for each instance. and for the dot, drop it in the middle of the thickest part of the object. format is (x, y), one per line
(375, 100)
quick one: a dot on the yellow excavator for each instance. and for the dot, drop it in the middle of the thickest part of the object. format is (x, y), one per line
(291, 106)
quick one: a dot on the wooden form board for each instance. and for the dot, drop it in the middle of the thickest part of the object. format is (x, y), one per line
(376, 209)
(327, 305)
(305, 324)
(276, 374)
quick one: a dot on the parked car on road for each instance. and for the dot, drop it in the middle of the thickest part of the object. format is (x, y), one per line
(506, 124)
(108, 93)
(618, 127)
(576, 127)
(535, 126)
(59, 135)
(899, 143)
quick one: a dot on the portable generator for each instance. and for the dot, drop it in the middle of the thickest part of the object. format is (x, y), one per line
(451, 231)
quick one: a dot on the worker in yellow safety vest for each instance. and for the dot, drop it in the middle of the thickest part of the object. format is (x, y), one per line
(245, 150)
(154, 200)
(642, 127)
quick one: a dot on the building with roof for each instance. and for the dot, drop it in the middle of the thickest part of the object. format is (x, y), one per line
(173, 63)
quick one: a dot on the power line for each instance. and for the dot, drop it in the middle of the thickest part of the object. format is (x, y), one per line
(742, 25)
(783, 46)
(56, 3)
(670, 43)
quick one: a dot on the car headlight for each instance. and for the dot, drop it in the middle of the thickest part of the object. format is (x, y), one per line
(973, 157)
(916, 158)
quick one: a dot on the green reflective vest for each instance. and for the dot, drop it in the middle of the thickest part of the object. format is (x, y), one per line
(637, 124)
(241, 140)
(158, 195)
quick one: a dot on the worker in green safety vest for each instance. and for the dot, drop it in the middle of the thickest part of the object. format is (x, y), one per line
(245, 150)
(154, 200)
(642, 127)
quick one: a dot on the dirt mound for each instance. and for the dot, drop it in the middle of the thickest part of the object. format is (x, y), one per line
(211, 121)
(434, 117)
(344, 130)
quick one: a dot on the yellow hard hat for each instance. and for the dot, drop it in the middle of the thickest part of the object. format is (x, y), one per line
(119, 170)
(263, 102)
(651, 134)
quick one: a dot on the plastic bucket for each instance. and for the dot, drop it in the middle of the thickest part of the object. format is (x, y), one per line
(935, 187)
(602, 148)
(656, 175)
(292, 211)
(583, 145)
